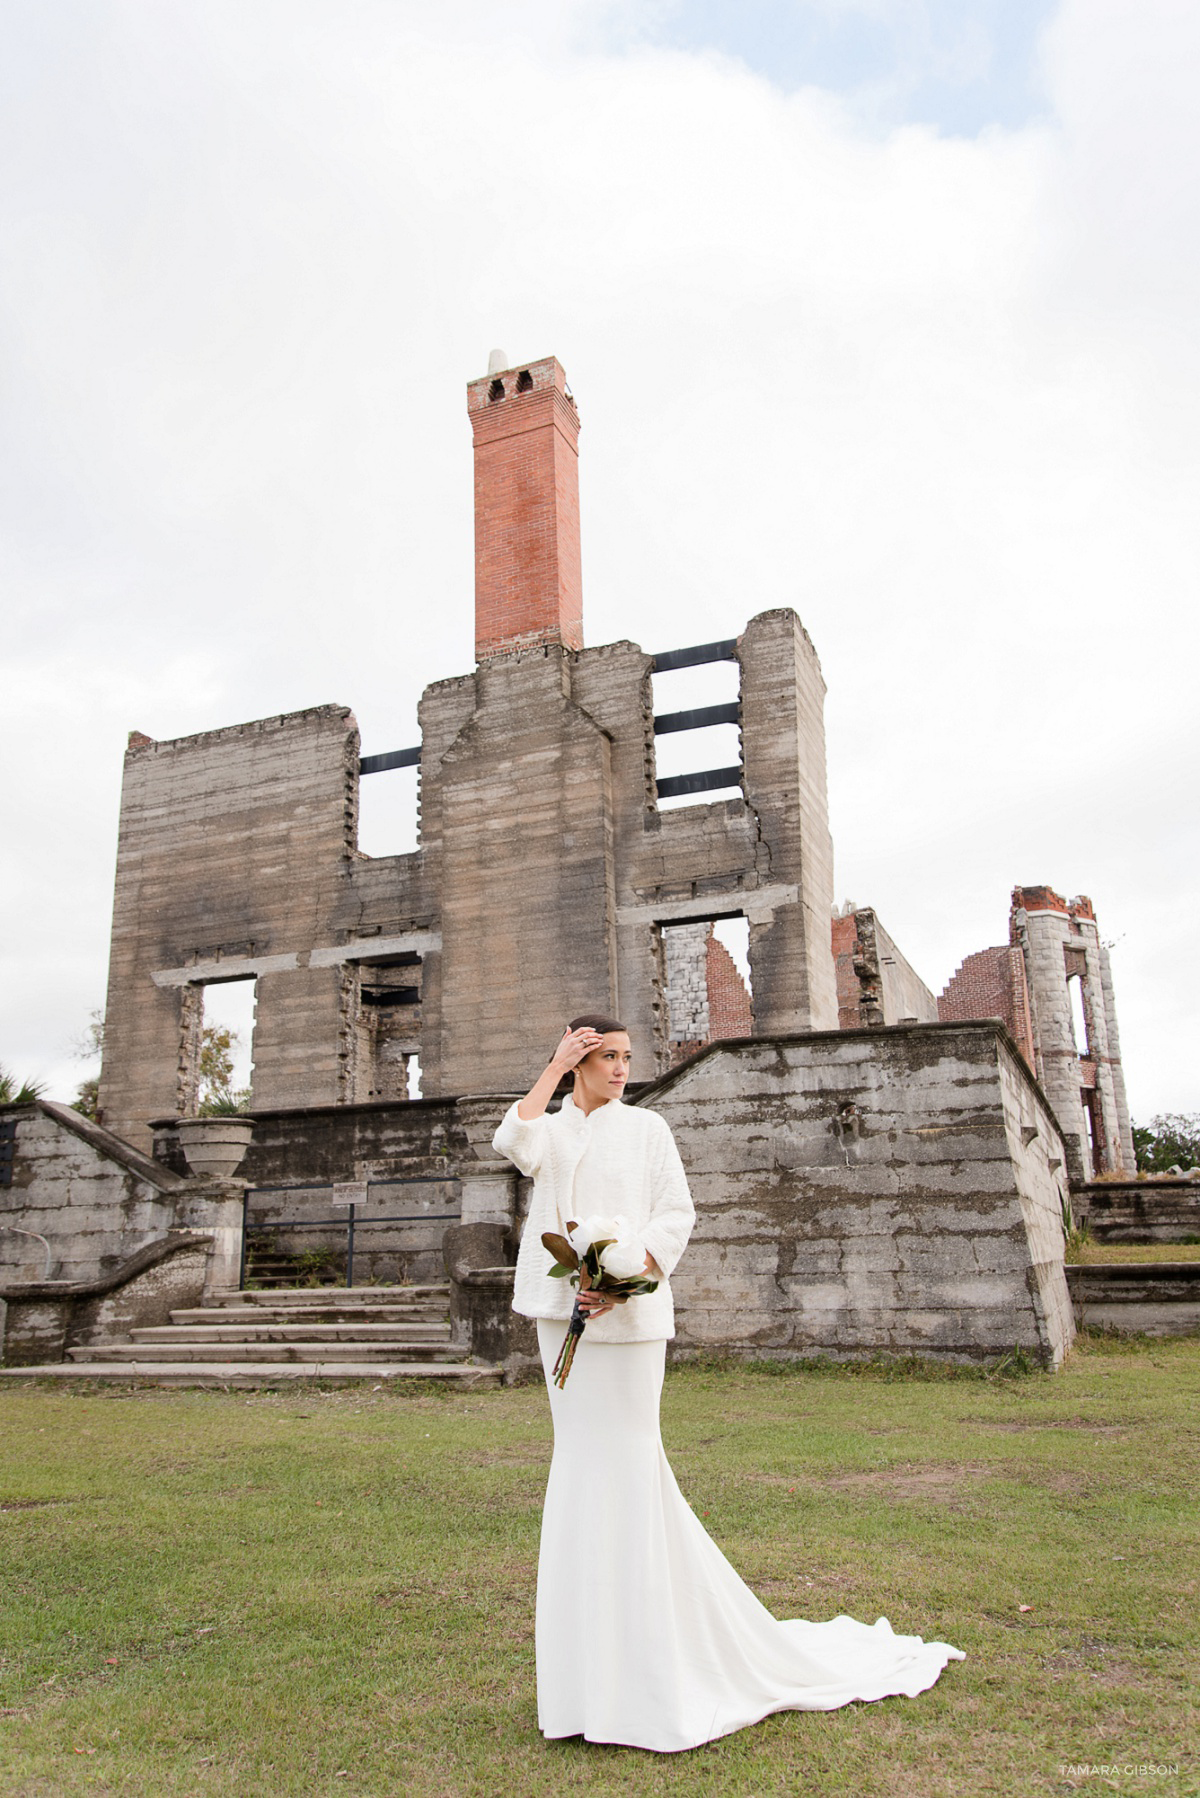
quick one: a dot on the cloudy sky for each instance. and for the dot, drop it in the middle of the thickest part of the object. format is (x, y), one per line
(883, 309)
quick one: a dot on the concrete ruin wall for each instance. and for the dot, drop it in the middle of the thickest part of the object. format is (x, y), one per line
(544, 876)
(875, 983)
(895, 1190)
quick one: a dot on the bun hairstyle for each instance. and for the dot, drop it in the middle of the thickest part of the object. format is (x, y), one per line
(593, 1020)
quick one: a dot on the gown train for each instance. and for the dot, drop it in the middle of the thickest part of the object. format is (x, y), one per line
(645, 1634)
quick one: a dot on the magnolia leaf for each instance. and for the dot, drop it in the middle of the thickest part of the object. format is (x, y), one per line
(561, 1249)
(559, 1272)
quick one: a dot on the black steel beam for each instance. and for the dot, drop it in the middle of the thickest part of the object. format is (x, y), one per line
(698, 718)
(708, 782)
(394, 758)
(725, 651)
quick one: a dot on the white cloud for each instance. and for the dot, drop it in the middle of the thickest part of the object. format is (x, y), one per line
(938, 394)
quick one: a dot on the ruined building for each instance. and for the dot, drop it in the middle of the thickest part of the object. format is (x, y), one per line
(546, 876)
(1052, 985)
(874, 1169)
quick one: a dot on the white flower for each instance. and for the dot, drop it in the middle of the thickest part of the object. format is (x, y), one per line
(624, 1260)
(596, 1229)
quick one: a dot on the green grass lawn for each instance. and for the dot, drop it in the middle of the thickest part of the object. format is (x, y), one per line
(331, 1592)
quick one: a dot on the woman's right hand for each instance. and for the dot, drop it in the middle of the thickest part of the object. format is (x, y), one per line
(574, 1046)
(570, 1052)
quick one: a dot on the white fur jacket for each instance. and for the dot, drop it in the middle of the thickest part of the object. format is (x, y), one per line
(616, 1160)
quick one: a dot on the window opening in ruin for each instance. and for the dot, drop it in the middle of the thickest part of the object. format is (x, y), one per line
(1079, 1018)
(8, 1143)
(227, 1006)
(387, 810)
(524, 381)
(696, 732)
(387, 1062)
(1097, 1142)
(496, 390)
(707, 974)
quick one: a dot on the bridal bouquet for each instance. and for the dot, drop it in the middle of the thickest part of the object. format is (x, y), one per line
(601, 1255)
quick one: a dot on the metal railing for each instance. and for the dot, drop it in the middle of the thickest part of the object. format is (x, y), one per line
(352, 1220)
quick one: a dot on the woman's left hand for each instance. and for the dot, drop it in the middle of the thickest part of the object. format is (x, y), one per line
(595, 1304)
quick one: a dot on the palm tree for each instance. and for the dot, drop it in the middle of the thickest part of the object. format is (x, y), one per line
(12, 1094)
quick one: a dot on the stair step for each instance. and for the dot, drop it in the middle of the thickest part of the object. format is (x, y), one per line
(355, 1350)
(259, 1330)
(418, 1316)
(248, 1374)
(319, 1295)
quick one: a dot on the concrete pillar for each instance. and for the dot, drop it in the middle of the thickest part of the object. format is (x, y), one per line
(783, 749)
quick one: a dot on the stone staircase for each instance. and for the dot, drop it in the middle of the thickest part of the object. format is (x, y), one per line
(265, 1338)
(1149, 1298)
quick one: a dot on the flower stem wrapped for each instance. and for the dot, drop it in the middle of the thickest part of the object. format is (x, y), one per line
(602, 1255)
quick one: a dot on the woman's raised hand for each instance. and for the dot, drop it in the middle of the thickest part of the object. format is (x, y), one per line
(574, 1046)
(570, 1052)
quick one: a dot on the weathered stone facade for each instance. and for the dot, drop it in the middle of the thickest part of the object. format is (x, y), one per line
(545, 874)
(896, 1191)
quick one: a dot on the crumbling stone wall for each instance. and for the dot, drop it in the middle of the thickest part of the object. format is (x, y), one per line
(991, 984)
(686, 951)
(706, 996)
(875, 983)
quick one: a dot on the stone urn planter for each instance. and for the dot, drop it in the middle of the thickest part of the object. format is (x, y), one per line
(215, 1146)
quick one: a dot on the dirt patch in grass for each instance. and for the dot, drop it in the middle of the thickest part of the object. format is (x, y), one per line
(1013, 1426)
(942, 1485)
(1099, 1659)
(521, 1454)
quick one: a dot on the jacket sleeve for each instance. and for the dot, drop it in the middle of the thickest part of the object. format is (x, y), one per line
(522, 1140)
(672, 1213)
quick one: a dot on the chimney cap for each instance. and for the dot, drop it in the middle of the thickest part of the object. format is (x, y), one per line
(497, 362)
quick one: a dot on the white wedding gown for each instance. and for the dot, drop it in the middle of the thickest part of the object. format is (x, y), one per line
(645, 1634)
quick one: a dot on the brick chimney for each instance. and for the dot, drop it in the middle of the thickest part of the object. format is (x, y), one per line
(528, 579)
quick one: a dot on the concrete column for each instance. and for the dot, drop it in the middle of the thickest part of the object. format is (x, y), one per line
(783, 748)
(213, 1208)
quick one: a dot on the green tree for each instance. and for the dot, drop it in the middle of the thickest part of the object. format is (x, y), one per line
(1170, 1140)
(88, 1045)
(217, 1094)
(12, 1094)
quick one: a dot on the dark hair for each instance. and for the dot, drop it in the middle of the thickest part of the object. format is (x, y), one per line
(592, 1020)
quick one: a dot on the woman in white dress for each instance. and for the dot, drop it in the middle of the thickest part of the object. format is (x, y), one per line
(645, 1634)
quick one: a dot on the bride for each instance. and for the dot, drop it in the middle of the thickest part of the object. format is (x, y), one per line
(645, 1634)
